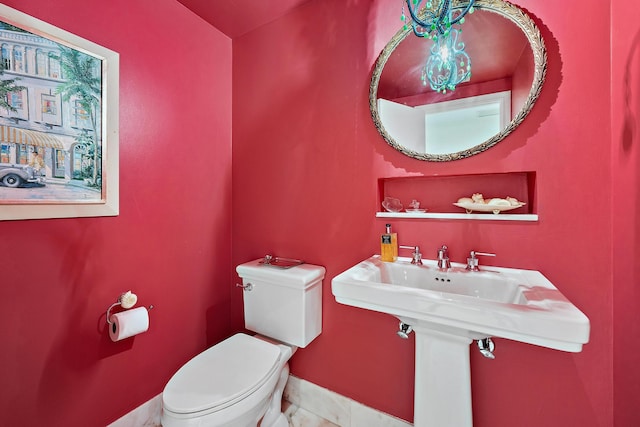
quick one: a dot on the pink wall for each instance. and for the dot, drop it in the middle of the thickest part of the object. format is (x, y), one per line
(625, 132)
(170, 244)
(306, 162)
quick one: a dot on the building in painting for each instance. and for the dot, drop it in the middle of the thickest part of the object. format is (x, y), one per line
(43, 118)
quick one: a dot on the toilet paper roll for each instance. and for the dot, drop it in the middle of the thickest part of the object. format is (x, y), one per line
(128, 323)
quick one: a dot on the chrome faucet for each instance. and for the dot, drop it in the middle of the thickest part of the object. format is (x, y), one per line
(416, 256)
(443, 258)
(472, 261)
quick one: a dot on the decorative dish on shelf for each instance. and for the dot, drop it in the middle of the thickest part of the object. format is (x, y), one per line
(496, 205)
(479, 207)
(392, 204)
(414, 207)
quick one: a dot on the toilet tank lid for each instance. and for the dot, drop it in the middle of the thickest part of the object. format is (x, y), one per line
(221, 375)
(300, 276)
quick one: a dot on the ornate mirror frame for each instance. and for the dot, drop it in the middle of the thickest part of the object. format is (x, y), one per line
(532, 33)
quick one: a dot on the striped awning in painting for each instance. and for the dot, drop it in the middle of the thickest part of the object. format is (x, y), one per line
(29, 137)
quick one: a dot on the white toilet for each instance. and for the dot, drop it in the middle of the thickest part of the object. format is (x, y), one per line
(239, 382)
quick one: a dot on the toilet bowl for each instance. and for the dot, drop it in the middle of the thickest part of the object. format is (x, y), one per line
(239, 381)
(232, 384)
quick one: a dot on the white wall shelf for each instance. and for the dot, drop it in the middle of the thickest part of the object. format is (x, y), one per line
(464, 216)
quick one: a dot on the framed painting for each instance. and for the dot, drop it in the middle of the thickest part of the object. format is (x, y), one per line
(58, 122)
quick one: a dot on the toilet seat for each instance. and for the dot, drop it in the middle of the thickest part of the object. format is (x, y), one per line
(221, 376)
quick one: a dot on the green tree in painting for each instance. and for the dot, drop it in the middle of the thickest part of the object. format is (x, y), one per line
(7, 86)
(83, 85)
(85, 148)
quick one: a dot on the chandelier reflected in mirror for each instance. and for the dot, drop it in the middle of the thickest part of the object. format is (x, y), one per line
(448, 64)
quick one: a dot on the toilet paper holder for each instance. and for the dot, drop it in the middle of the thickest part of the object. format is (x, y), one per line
(126, 300)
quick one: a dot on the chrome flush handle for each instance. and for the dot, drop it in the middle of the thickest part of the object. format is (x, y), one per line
(247, 287)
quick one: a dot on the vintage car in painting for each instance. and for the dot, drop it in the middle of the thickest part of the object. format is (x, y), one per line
(16, 175)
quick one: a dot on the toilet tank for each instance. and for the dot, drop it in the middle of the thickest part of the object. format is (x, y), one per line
(283, 304)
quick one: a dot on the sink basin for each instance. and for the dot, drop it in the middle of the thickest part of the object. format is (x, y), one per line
(448, 309)
(521, 305)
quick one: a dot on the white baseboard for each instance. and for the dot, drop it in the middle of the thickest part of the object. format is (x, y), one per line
(305, 404)
(146, 415)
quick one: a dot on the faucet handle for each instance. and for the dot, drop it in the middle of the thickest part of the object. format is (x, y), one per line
(416, 255)
(474, 253)
(472, 262)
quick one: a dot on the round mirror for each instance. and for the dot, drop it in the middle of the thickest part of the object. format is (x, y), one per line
(508, 67)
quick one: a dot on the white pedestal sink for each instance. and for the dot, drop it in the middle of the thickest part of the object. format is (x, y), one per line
(448, 309)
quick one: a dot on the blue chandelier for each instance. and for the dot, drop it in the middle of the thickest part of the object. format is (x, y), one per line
(448, 64)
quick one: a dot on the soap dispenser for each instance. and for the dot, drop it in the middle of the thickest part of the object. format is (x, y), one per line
(389, 245)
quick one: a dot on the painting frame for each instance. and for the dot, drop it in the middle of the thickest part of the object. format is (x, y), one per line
(101, 145)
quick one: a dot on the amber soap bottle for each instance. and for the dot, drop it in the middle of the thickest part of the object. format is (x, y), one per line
(389, 245)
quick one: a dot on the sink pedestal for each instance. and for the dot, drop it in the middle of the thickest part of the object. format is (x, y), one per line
(443, 380)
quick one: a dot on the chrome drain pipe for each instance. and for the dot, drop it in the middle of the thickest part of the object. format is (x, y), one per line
(486, 347)
(404, 330)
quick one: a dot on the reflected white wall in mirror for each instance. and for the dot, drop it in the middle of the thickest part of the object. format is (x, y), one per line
(451, 126)
(447, 126)
(404, 123)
